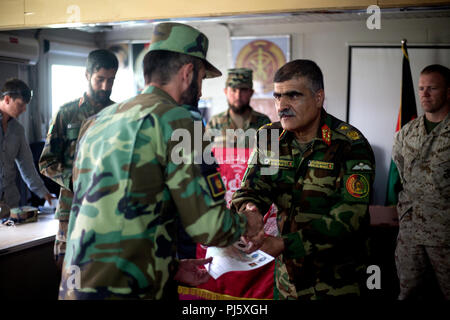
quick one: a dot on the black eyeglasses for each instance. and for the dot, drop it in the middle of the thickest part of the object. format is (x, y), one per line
(25, 94)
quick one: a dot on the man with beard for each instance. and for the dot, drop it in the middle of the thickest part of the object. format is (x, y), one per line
(56, 161)
(238, 90)
(322, 187)
(421, 152)
(131, 189)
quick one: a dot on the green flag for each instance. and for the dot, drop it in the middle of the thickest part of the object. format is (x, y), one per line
(407, 112)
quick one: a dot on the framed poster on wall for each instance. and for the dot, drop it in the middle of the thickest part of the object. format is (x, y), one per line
(264, 55)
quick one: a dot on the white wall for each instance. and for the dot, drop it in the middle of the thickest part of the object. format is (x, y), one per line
(323, 42)
(326, 44)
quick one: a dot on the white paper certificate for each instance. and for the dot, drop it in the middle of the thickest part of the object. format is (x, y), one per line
(231, 259)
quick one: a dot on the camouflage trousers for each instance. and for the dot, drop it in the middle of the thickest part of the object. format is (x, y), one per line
(417, 264)
(284, 289)
(60, 240)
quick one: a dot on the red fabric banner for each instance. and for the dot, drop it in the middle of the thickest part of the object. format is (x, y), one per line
(254, 284)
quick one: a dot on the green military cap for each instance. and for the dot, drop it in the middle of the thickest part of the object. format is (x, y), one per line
(181, 38)
(240, 78)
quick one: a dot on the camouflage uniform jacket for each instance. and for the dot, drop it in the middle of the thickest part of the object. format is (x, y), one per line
(423, 162)
(322, 198)
(223, 121)
(129, 195)
(56, 160)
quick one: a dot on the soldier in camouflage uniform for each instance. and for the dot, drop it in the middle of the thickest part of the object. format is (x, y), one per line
(130, 193)
(57, 157)
(321, 186)
(422, 154)
(238, 90)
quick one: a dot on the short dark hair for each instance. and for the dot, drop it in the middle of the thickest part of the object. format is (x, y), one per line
(16, 88)
(301, 68)
(437, 68)
(160, 65)
(101, 58)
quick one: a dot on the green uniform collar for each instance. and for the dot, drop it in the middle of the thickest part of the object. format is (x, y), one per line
(159, 92)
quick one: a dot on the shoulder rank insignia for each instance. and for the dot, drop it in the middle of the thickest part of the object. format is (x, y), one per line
(326, 134)
(353, 135)
(215, 185)
(344, 127)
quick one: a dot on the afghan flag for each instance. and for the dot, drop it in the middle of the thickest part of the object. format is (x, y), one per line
(407, 112)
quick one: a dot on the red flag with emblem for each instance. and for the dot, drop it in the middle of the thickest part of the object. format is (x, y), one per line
(235, 285)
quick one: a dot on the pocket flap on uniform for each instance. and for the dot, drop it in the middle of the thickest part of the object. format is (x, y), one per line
(72, 130)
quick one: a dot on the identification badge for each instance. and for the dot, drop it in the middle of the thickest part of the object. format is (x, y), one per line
(279, 163)
(320, 164)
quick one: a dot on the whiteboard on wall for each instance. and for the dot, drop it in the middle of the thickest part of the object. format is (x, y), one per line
(373, 98)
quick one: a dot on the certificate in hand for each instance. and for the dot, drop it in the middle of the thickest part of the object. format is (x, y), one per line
(232, 259)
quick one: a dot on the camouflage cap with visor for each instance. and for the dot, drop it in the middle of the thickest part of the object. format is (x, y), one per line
(181, 38)
(240, 78)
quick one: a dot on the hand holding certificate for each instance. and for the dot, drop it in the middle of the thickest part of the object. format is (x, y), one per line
(233, 259)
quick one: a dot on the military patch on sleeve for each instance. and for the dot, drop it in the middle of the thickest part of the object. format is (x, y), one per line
(357, 186)
(361, 166)
(216, 186)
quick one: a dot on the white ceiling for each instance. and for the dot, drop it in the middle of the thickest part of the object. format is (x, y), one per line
(297, 17)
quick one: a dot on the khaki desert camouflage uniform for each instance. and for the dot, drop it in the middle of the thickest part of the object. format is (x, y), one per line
(322, 195)
(56, 161)
(423, 162)
(130, 195)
